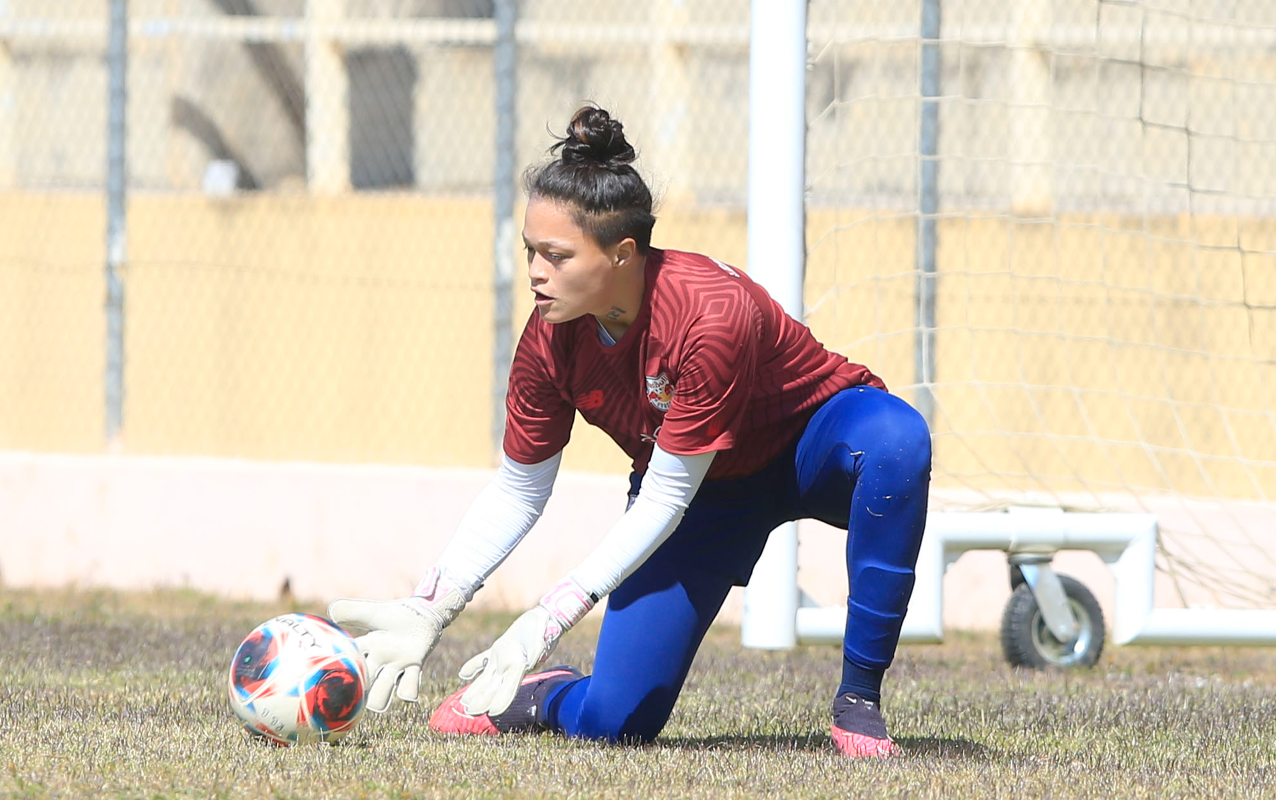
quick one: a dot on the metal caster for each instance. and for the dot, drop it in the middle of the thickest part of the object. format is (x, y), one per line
(1052, 621)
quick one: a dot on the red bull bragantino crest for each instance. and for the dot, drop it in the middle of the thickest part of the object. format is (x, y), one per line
(660, 391)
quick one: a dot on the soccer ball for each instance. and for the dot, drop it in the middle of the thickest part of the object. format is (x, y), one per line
(296, 679)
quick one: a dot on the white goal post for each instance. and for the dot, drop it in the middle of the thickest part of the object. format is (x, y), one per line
(777, 613)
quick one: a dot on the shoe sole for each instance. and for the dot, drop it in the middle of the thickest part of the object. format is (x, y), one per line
(857, 745)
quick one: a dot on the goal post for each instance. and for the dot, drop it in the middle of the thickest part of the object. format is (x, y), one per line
(1102, 341)
(776, 213)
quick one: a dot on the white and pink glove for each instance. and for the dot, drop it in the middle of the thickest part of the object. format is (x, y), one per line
(498, 671)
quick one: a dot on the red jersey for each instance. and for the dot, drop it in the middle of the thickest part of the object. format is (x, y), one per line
(711, 363)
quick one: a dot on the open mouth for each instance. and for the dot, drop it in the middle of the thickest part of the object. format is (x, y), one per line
(541, 299)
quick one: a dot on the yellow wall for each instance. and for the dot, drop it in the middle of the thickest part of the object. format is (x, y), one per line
(1095, 352)
(52, 328)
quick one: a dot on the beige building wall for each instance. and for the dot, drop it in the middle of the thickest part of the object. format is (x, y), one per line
(1137, 107)
(1097, 353)
(1106, 282)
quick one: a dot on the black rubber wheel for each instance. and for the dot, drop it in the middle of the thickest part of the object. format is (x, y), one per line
(1026, 641)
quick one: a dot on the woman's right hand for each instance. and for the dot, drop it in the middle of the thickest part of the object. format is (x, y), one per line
(400, 635)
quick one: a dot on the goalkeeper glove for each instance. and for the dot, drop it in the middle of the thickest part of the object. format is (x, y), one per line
(400, 634)
(498, 671)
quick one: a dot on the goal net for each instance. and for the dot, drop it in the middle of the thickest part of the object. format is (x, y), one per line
(1091, 321)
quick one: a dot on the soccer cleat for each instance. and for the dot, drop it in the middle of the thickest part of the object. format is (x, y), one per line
(859, 730)
(525, 714)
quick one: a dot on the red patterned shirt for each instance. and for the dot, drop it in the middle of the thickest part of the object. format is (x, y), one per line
(711, 363)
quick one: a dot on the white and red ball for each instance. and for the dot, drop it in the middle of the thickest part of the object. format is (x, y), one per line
(298, 678)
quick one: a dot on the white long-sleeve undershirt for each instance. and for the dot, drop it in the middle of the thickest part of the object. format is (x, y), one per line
(667, 488)
(497, 520)
(506, 509)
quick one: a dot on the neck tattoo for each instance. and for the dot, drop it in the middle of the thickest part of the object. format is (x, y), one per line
(615, 313)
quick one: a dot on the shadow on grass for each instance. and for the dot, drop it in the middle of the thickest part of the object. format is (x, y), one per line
(936, 747)
(809, 741)
(913, 746)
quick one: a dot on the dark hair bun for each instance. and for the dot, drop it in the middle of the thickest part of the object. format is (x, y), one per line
(594, 176)
(593, 137)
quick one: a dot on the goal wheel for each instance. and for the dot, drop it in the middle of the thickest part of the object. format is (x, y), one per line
(1026, 640)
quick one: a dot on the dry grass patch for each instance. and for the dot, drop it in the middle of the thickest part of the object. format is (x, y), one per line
(122, 695)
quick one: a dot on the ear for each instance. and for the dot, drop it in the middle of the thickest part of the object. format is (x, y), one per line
(624, 250)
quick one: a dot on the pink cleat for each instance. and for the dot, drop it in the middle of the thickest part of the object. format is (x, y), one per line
(858, 728)
(525, 714)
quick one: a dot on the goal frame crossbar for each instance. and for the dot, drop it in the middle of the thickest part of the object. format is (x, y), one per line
(1126, 542)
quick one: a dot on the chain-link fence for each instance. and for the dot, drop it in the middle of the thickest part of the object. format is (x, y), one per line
(1049, 222)
(1073, 269)
(261, 319)
(310, 222)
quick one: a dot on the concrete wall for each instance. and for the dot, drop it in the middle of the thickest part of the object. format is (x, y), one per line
(1107, 288)
(240, 529)
(1098, 352)
(1088, 105)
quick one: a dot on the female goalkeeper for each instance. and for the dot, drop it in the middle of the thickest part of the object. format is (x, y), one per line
(737, 420)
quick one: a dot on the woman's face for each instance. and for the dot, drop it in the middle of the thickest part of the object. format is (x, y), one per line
(570, 274)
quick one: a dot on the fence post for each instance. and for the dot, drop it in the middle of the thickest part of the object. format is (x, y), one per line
(116, 217)
(927, 209)
(8, 106)
(327, 100)
(505, 62)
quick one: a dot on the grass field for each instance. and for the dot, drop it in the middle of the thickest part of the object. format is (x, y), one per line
(122, 695)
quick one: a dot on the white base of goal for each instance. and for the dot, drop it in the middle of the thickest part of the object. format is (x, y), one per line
(778, 616)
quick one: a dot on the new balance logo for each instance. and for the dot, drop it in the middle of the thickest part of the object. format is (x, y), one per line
(591, 400)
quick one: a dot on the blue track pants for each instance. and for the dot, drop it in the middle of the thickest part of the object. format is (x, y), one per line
(863, 463)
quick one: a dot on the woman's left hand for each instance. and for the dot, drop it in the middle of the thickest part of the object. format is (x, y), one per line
(498, 671)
